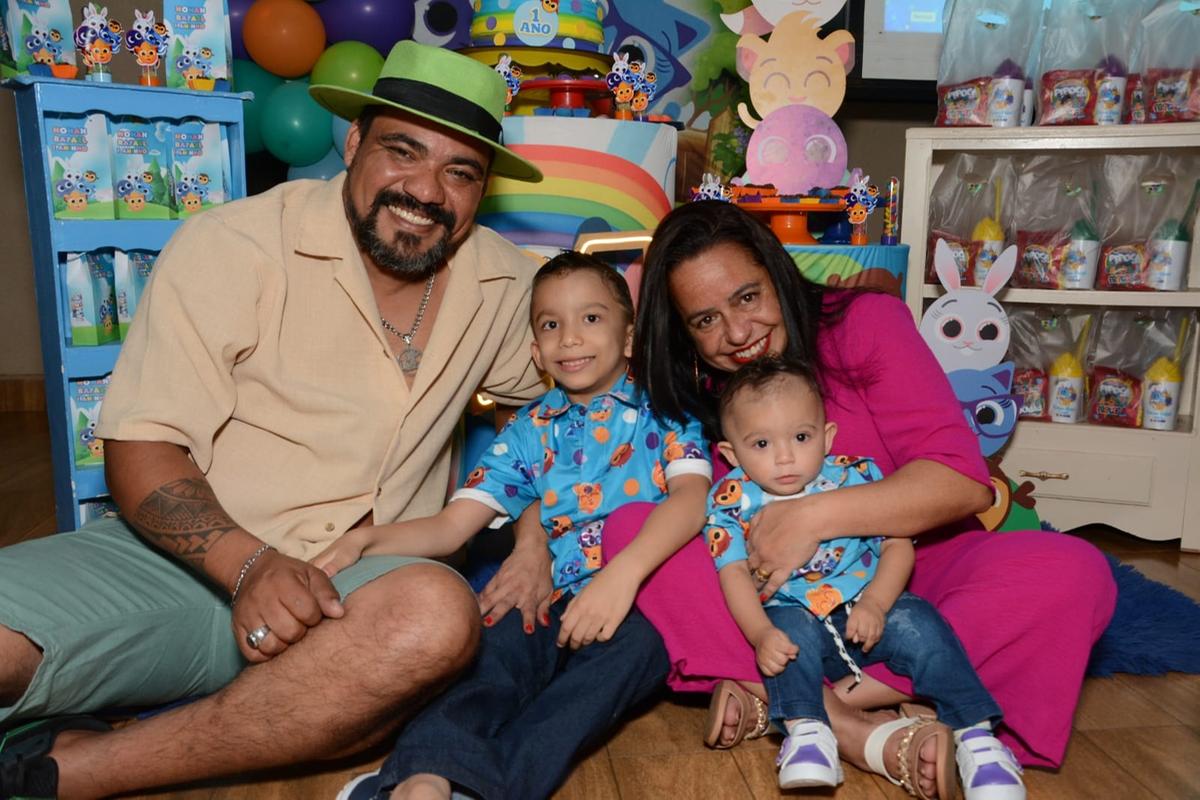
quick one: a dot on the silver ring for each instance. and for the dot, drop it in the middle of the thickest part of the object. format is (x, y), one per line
(255, 637)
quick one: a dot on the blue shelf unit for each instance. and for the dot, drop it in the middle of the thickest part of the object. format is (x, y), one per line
(36, 99)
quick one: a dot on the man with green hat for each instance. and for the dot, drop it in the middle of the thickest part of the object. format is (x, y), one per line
(296, 369)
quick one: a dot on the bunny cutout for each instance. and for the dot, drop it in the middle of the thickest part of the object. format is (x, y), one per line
(966, 328)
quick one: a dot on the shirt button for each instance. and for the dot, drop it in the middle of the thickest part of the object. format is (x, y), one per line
(329, 526)
(378, 491)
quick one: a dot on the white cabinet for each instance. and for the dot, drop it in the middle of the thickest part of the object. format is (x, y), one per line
(1144, 482)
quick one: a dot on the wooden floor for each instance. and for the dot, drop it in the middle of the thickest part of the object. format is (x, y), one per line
(1134, 737)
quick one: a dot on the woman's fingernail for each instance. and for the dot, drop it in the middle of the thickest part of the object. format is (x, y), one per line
(528, 627)
(487, 620)
(545, 619)
(762, 598)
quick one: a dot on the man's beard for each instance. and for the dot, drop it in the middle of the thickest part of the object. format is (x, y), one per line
(395, 257)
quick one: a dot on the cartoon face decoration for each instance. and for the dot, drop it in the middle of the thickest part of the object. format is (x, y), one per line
(135, 201)
(590, 534)
(639, 103)
(559, 525)
(589, 495)
(718, 541)
(191, 202)
(991, 410)
(796, 148)
(96, 448)
(443, 23)
(967, 328)
(621, 455)
(729, 493)
(795, 67)
(475, 478)
(550, 6)
(857, 214)
(76, 200)
(624, 92)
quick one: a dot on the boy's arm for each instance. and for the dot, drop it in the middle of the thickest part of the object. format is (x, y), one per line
(896, 559)
(439, 535)
(743, 600)
(598, 610)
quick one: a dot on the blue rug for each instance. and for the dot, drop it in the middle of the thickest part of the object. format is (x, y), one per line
(1154, 629)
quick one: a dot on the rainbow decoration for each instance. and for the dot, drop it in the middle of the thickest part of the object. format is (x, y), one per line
(600, 175)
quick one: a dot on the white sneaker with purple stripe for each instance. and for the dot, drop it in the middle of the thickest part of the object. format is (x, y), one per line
(809, 757)
(988, 769)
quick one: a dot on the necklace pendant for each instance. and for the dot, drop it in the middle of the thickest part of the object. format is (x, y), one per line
(409, 358)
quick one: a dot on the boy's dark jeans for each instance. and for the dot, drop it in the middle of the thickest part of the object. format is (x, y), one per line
(512, 725)
(916, 642)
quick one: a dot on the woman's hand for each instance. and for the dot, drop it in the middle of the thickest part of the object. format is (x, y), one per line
(523, 581)
(783, 537)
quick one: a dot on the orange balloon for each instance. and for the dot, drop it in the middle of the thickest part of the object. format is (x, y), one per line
(285, 37)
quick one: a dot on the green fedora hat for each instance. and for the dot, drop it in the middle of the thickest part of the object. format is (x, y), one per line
(444, 87)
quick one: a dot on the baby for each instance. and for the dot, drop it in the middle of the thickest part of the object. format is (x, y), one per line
(845, 607)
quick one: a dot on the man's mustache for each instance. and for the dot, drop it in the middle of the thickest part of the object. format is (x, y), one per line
(438, 214)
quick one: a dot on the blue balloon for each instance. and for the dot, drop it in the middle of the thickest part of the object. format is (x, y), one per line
(330, 165)
(341, 127)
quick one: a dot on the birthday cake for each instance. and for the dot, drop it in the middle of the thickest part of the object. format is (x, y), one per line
(566, 24)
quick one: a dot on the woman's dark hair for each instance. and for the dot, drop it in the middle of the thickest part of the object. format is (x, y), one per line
(570, 262)
(665, 362)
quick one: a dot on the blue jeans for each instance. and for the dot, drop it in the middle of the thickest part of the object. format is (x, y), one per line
(916, 643)
(512, 725)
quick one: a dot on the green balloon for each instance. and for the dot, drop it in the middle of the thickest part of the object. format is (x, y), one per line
(351, 65)
(295, 129)
(250, 77)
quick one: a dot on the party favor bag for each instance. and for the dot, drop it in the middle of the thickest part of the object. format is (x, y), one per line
(1056, 207)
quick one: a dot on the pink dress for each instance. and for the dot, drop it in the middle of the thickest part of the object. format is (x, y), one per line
(1027, 605)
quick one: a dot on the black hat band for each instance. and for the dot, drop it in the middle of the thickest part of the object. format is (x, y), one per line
(440, 104)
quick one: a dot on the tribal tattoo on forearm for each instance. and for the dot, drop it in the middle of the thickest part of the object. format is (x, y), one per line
(185, 519)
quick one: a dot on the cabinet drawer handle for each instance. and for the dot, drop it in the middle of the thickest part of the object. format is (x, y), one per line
(1044, 476)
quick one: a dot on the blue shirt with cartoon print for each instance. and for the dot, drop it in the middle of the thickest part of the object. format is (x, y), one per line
(840, 568)
(582, 463)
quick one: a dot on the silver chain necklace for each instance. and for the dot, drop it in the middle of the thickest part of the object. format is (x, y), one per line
(410, 357)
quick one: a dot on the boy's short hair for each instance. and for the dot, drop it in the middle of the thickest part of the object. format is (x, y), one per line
(570, 262)
(761, 374)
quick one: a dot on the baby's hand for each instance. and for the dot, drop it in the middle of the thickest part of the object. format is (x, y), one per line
(865, 624)
(773, 651)
(345, 551)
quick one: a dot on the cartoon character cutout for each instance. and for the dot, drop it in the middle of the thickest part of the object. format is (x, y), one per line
(967, 328)
(990, 407)
(795, 67)
(711, 188)
(512, 77)
(764, 15)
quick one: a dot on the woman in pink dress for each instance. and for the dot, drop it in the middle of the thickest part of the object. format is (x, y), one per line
(718, 291)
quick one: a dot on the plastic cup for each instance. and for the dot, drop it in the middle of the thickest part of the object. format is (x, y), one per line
(1066, 398)
(1160, 405)
(1027, 108)
(1168, 263)
(1110, 100)
(1004, 102)
(1079, 267)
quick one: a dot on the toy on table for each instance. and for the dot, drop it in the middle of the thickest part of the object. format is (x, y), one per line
(147, 41)
(891, 214)
(988, 238)
(861, 202)
(711, 188)
(1066, 381)
(632, 85)
(512, 78)
(1160, 397)
(97, 38)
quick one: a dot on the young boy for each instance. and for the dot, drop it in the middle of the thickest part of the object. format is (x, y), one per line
(846, 607)
(511, 727)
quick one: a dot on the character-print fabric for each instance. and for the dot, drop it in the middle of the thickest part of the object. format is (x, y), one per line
(582, 463)
(839, 569)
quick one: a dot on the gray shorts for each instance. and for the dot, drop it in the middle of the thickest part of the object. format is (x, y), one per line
(122, 625)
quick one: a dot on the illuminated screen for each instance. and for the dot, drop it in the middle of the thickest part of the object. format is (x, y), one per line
(912, 16)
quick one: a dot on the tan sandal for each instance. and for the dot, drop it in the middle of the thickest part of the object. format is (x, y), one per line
(917, 728)
(752, 721)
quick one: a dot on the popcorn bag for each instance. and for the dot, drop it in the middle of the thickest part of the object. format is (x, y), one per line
(985, 62)
(968, 207)
(1057, 243)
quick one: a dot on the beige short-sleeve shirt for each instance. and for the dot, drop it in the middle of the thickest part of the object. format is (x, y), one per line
(257, 347)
